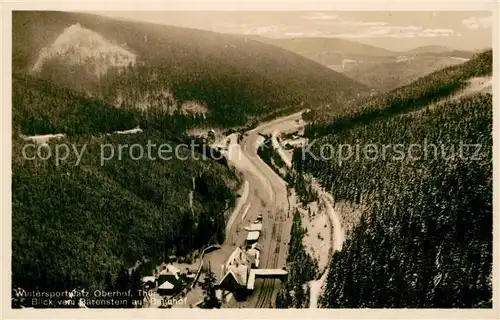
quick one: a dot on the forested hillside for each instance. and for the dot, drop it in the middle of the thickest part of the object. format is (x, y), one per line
(423, 91)
(375, 67)
(80, 225)
(301, 268)
(232, 78)
(40, 107)
(425, 239)
(387, 75)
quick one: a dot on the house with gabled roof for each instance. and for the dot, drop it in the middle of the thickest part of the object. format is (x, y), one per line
(169, 281)
(236, 270)
(252, 237)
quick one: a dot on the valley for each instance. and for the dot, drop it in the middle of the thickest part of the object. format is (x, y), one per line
(380, 69)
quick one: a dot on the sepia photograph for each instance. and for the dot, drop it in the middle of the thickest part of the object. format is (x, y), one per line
(294, 159)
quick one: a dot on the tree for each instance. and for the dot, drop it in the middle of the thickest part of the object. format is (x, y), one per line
(123, 283)
(210, 300)
(136, 287)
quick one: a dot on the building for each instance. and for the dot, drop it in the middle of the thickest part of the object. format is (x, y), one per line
(211, 136)
(149, 282)
(280, 274)
(241, 269)
(252, 237)
(169, 281)
(254, 253)
(254, 227)
(235, 271)
(167, 289)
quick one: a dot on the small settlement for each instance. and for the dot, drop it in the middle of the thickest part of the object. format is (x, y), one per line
(238, 273)
(237, 268)
(169, 281)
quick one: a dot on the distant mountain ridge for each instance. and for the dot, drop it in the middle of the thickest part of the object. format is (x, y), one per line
(422, 91)
(430, 49)
(377, 68)
(401, 71)
(334, 45)
(441, 51)
(145, 65)
(330, 52)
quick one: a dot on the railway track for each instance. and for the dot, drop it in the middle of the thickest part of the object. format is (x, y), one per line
(279, 203)
(265, 296)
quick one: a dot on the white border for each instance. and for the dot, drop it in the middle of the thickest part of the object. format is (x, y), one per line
(304, 5)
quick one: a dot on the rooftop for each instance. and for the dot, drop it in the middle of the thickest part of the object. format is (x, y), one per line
(254, 227)
(148, 279)
(253, 235)
(170, 269)
(238, 257)
(255, 273)
(166, 285)
(239, 274)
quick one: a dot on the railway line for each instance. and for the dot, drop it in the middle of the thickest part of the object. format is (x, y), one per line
(278, 224)
(267, 196)
(266, 294)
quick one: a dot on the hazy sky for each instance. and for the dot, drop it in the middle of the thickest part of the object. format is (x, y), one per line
(391, 30)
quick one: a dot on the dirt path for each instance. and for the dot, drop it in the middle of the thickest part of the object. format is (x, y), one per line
(475, 85)
(282, 153)
(316, 286)
(44, 138)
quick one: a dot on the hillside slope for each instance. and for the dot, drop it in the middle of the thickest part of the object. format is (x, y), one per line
(424, 179)
(400, 71)
(41, 107)
(80, 225)
(429, 49)
(157, 66)
(377, 68)
(421, 92)
(328, 51)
